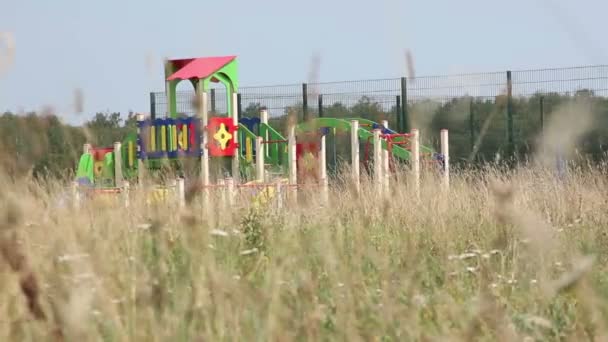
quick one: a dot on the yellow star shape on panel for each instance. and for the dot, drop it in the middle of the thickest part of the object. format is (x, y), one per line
(222, 136)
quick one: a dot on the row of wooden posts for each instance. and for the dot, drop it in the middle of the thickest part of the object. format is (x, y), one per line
(381, 169)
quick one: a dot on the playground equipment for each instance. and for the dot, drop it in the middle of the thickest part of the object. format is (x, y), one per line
(263, 162)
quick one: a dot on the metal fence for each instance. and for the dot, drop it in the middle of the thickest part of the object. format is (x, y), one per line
(487, 113)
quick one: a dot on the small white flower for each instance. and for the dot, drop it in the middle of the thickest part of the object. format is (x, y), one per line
(533, 281)
(466, 256)
(218, 232)
(144, 226)
(249, 251)
(493, 285)
(236, 277)
(471, 269)
(211, 246)
(340, 285)
(71, 257)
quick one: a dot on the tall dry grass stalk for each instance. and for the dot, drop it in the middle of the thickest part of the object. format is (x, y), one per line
(502, 257)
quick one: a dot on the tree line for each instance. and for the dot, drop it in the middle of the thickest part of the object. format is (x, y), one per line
(41, 144)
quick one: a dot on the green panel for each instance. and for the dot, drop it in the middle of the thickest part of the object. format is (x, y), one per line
(277, 152)
(107, 172)
(364, 134)
(128, 172)
(86, 167)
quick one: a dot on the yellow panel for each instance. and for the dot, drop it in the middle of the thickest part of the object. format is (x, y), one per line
(130, 153)
(248, 149)
(174, 130)
(163, 138)
(152, 138)
(185, 137)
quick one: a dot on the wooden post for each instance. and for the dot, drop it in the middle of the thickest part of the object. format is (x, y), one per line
(279, 195)
(86, 148)
(75, 195)
(140, 159)
(236, 173)
(118, 179)
(230, 189)
(259, 159)
(385, 164)
(181, 193)
(204, 117)
(323, 172)
(416, 160)
(354, 152)
(264, 121)
(445, 151)
(293, 170)
(125, 193)
(378, 179)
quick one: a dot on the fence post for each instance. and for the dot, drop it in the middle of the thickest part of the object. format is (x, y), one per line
(445, 151)
(378, 178)
(416, 160)
(304, 102)
(510, 137)
(320, 105)
(398, 112)
(542, 114)
(405, 120)
(354, 152)
(472, 124)
(213, 101)
(152, 106)
(385, 164)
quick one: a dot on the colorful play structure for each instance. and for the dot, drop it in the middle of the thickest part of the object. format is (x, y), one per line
(262, 160)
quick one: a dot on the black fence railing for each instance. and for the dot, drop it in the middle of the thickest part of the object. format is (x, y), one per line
(488, 114)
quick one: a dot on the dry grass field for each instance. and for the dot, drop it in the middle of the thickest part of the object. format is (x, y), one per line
(517, 256)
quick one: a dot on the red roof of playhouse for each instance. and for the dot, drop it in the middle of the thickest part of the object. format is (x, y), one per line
(198, 67)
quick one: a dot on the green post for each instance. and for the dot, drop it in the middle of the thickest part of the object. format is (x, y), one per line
(472, 124)
(212, 95)
(405, 122)
(239, 108)
(510, 136)
(304, 102)
(320, 105)
(542, 114)
(398, 112)
(152, 106)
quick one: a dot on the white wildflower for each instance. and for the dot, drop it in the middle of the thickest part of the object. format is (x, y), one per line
(144, 226)
(249, 251)
(466, 256)
(72, 257)
(218, 232)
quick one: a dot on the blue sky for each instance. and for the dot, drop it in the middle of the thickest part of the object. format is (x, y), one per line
(113, 49)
